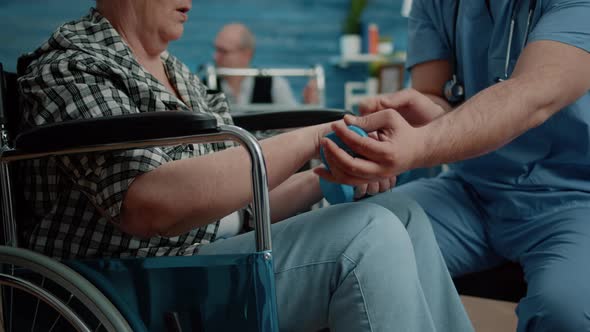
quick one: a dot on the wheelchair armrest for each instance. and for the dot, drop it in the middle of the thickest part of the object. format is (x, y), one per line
(113, 130)
(264, 120)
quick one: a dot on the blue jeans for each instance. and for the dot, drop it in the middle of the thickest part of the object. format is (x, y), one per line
(551, 246)
(359, 267)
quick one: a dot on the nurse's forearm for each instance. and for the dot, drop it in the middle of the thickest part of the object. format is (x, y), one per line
(548, 77)
(482, 124)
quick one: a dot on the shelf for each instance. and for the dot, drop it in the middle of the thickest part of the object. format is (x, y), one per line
(368, 58)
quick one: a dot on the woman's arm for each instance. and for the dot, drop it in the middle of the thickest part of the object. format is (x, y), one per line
(184, 194)
(295, 195)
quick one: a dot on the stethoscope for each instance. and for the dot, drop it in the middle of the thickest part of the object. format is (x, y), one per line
(454, 90)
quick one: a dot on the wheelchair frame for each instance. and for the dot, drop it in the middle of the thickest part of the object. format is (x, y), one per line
(206, 131)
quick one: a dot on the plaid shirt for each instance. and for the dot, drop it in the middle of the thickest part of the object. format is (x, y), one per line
(85, 70)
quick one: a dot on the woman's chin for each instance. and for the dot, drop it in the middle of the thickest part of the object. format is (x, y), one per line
(174, 34)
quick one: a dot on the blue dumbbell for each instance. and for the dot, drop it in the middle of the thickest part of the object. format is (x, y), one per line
(336, 193)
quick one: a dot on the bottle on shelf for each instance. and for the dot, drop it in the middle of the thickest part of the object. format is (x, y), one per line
(373, 34)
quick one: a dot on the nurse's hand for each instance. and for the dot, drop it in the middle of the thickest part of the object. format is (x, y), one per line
(374, 188)
(399, 147)
(415, 107)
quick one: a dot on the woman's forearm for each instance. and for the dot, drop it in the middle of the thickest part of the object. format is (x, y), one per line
(295, 195)
(189, 193)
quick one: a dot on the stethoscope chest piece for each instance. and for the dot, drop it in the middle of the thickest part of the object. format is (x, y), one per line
(454, 91)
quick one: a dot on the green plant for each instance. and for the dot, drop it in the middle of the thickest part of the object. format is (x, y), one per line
(375, 67)
(352, 24)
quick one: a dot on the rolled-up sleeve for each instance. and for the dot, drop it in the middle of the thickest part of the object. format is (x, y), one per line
(563, 21)
(105, 177)
(427, 39)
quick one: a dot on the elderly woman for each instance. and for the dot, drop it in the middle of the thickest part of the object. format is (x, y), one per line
(357, 266)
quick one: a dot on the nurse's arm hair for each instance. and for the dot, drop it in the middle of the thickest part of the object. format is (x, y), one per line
(184, 194)
(548, 76)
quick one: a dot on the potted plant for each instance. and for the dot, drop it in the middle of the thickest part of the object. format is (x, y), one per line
(350, 41)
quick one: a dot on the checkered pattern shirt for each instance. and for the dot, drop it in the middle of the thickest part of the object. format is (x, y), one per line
(85, 70)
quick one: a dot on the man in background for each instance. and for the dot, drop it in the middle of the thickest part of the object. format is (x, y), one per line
(234, 48)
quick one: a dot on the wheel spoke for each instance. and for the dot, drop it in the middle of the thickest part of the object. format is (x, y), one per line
(58, 317)
(37, 308)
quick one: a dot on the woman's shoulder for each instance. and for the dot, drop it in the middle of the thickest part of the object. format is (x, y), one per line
(85, 41)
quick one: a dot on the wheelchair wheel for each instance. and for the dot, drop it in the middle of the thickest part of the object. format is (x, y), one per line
(41, 294)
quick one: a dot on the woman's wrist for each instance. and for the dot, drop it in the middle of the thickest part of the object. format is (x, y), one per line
(312, 185)
(320, 132)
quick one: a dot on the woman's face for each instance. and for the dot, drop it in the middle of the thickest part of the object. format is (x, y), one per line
(164, 18)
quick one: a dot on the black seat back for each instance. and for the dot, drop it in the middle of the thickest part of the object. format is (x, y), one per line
(10, 115)
(505, 282)
(10, 119)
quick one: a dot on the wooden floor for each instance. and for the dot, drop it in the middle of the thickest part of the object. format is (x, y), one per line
(490, 315)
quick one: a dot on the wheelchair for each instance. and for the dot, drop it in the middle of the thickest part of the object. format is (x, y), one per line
(201, 293)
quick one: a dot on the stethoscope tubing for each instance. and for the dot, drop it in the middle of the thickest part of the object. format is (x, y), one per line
(532, 6)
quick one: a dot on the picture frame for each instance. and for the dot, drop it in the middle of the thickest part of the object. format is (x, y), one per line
(391, 77)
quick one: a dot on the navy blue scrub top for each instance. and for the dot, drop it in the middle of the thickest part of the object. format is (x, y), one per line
(548, 167)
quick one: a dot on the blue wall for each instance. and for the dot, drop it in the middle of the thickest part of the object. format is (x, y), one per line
(289, 32)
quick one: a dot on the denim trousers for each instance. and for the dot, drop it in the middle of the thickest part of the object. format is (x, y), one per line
(372, 265)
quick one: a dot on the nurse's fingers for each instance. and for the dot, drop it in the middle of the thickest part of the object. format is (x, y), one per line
(393, 100)
(374, 135)
(328, 175)
(373, 188)
(360, 191)
(343, 166)
(387, 124)
(366, 147)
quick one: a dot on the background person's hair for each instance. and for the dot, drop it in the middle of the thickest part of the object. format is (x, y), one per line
(247, 39)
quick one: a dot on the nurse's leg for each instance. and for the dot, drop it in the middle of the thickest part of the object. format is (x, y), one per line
(457, 222)
(350, 265)
(557, 270)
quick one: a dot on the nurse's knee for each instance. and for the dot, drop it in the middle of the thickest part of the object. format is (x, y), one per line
(562, 309)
